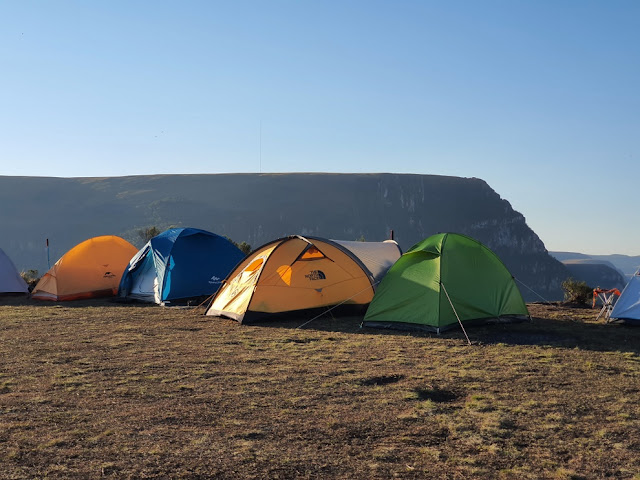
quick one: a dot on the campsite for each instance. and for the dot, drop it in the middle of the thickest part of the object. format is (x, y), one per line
(320, 240)
(94, 388)
(313, 358)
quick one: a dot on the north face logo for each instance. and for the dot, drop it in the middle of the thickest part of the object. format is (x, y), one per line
(214, 280)
(108, 275)
(316, 275)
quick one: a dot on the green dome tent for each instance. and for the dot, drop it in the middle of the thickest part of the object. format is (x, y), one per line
(444, 270)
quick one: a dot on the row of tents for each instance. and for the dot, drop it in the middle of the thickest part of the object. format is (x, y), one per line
(292, 274)
(446, 279)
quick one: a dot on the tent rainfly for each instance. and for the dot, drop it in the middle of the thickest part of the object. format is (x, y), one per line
(378, 257)
(10, 279)
(300, 274)
(442, 280)
(627, 308)
(177, 265)
(90, 269)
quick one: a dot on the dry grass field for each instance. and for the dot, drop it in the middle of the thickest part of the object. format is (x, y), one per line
(99, 389)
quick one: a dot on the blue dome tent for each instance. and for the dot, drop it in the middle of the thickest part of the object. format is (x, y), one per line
(177, 265)
(627, 308)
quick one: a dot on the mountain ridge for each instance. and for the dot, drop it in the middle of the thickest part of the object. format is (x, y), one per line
(627, 265)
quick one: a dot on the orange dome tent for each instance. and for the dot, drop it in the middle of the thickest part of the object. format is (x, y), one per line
(92, 268)
(299, 275)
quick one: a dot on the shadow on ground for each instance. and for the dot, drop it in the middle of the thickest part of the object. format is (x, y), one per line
(553, 325)
(564, 328)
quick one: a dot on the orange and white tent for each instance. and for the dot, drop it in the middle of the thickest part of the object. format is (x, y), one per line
(293, 274)
(92, 268)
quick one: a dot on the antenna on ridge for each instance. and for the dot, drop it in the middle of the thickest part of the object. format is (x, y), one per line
(260, 169)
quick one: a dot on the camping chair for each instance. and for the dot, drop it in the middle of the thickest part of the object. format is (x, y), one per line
(607, 297)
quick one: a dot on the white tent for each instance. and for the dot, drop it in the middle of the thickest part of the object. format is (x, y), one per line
(378, 257)
(628, 305)
(10, 279)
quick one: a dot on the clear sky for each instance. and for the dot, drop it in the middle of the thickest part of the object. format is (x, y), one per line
(539, 98)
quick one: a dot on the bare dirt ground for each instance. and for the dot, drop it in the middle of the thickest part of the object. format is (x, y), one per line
(99, 389)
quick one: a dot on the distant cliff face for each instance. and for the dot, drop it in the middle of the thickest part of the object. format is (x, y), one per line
(257, 208)
(627, 265)
(595, 274)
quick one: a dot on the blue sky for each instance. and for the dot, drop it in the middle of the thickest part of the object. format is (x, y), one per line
(541, 99)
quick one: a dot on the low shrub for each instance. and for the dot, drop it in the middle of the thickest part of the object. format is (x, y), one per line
(577, 292)
(31, 277)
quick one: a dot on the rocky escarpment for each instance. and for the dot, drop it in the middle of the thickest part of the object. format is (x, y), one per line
(259, 207)
(595, 274)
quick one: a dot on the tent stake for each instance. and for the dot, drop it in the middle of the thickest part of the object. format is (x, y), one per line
(456, 313)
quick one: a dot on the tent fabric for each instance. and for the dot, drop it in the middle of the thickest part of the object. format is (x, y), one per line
(90, 269)
(293, 274)
(10, 279)
(414, 291)
(378, 257)
(177, 265)
(627, 307)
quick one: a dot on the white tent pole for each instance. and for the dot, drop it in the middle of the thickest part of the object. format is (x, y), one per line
(456, 313)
